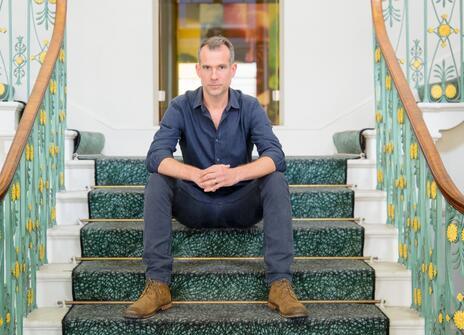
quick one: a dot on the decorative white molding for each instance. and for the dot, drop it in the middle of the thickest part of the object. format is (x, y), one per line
(441, 116)
(9, 114)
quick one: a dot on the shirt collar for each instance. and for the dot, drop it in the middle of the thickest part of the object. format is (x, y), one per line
(233, 99)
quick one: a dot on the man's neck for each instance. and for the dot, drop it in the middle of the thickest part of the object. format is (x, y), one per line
(215, 103)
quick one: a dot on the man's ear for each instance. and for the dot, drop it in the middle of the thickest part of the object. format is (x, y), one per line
(234, 69)
(197, 69)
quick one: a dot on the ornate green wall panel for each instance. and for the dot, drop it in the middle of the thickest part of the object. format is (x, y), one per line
(427, 37)
(431, 234)
(28, 208)
(25, 30)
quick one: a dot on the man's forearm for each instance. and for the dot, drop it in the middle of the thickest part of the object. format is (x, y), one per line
(173, 168)
(259, 168)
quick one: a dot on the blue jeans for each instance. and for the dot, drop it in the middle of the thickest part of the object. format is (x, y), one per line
(266, 198)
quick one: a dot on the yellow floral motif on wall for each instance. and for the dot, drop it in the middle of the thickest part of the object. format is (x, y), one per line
(417, 297)
(42, 56)
(459, 319)
(43, 117)
(29, 152)
(452, 232)
(388, 82)
(400, 115)
(414, 150)
(436, 91)
(450, 91)
(378, 55)
(400, 183)
(432, 271)
(41, 252)
(416, 224)
(378, 117)
(53, 86)
(391, 211)
(389, 148)
(380, 176)
(30, 297)
(460, 297)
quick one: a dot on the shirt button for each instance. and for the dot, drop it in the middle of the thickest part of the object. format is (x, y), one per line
(217, 141)
(217, 159)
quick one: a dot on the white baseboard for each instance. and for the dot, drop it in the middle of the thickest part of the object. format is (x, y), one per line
(381, 240)
(392, 283)
(371, 205)
(362, 174)
(54, 284)
(71, 206)
(79, 175)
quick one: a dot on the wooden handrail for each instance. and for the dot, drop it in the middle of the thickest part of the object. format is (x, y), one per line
(35, 100)
(444, 182)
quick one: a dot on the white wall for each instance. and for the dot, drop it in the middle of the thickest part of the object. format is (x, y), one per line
(451, 148)
(327, 80)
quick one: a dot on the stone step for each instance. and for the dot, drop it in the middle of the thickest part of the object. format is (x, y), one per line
(64, 242)
(225, 280)
(370, 205)
(125, 239)
(48, 320)
(392, 283)
(362, 173)
(229, 319)
(300, 170)
(80, 174)
(54, 284)
(306, 203)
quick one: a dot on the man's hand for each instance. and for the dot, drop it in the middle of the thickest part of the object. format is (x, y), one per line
(217, 176)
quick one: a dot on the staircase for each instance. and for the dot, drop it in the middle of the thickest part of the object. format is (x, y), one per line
(326, 234)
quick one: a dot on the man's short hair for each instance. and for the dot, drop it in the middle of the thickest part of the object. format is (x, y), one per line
(215, 42)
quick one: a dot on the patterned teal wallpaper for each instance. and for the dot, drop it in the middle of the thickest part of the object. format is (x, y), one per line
(25, 29)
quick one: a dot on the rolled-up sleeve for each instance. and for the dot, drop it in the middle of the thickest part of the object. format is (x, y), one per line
(166, 138)
(264, 138)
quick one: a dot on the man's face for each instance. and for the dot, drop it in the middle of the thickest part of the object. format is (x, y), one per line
(215, 71)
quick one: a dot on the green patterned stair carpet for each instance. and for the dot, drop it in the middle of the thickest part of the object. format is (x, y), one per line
(324, 319)
(300, 170)
(126, 203)
(214, 280)
(124, 239)
(225, 280)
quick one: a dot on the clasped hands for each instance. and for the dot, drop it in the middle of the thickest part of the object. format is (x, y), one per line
(215, 177)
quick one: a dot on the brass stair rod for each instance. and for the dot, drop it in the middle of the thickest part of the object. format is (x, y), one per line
(225, 302)
(295, 219)
(95, 187)
(363, 258)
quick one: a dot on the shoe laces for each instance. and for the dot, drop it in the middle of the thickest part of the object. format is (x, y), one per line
(151, 287)
(285, 284)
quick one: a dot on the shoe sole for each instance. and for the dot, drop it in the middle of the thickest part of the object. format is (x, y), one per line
(141, 317)
(294, 316)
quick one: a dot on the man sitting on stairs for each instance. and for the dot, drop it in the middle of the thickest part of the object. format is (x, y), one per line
(217, 185)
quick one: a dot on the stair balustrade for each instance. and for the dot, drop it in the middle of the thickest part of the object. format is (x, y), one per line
(423, 202)
(32, 174)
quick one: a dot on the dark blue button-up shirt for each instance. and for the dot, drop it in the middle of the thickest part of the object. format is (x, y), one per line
(243, 124)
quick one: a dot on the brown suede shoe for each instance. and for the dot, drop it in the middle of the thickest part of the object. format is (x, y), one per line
(282, 298)
(156, 296)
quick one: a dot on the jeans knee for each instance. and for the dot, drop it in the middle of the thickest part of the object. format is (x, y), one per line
(275, 180)
(159, 183)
